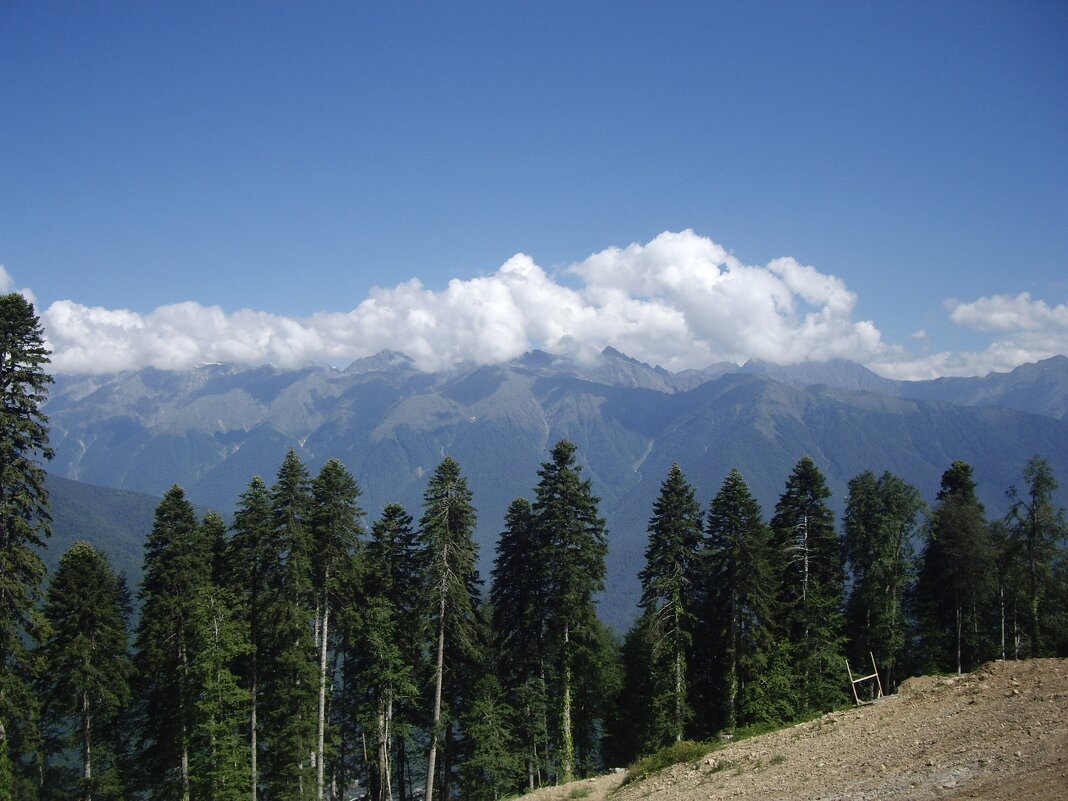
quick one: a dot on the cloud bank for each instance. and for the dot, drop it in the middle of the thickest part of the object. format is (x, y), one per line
(680, 301)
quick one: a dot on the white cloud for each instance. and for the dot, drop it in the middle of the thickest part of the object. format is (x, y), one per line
(7, 283)
(680, 301)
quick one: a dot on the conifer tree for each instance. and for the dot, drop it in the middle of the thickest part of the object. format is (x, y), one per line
(24, 525)
(878, 527)
(248, 565)
(446, 530)
(956, 576)
(489, 771)
(387, 644)
(86, 682)
(573, 538)
(335, 517)
(630, 723)
(517, 600)
(177, 568)
(220, 763)
(811, 597)
(740, 596)
(668, 584)
(289, 659)
(1038, 530)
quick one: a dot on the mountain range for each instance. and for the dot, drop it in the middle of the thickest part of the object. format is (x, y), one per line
(211, 429)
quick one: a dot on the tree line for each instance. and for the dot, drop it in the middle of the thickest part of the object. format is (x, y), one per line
(304, 652)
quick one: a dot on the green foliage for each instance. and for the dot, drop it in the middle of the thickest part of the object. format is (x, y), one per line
(674, 754)
(879, 524)
(219, 757)
(288, 662)
(446, 531)
(739, 607)
(574, 542)
(492, 764)
(178, 567)
(24, 525)
(518, 621)
(87, 682)
(956, 582)
(811, 594)
(669, 580)
(1037, 531)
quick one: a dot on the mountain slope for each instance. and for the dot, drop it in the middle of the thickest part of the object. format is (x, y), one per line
(116, 521)
(213, 428)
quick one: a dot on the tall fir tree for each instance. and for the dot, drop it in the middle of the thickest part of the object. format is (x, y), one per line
(1038, 531)
(630, 724)
(87, 681)
(289, 659)
(518, 603)
(668, 582)
(956, 577)
(177, 568)
(492, 762)
(878, 527)
(738, 618)
(220, 762)
(446, 530)
(336, 525)
(811, 597)
(387, 637)
(24, 525)
(574, 540)
(248, 564)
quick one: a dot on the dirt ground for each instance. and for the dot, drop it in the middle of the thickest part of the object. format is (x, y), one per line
(1000, 733)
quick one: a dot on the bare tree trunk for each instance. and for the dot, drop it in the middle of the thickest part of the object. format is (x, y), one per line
(184, 767)
(567, 741)
(252, 729)
(87, 760)
(436, 722)
(320, 761)
(1001, 599)
(958, 640)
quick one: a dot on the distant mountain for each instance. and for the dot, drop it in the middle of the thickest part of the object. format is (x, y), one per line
(211, 429)
(1040, 388)
(117, 521)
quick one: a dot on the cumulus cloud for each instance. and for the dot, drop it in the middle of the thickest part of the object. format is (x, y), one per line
(1023, 330)
(679, 301)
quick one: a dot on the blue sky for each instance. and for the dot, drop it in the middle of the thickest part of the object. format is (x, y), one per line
(288, 158)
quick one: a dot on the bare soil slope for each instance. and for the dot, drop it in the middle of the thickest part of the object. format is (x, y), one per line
(998, 733)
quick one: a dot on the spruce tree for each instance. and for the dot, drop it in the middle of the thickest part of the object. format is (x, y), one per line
(220, 763)
(446, 530)
(386, 640)
(1038, 530)
(289, 659)
(177, 568)
(956, 577)
(630, 724)
(335, 519)
(668, 589)
(811, 596)
(248, 564)
(517, 599)
(492, 763)
(574, 540)
(24, 525)
(878, 527)
(738, 618)
(87, 680)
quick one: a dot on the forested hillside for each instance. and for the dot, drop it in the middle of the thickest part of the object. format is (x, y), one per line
(211, 429)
